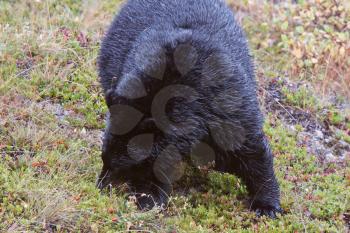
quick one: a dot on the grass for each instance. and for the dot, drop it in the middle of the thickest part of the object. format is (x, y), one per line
(52, 110)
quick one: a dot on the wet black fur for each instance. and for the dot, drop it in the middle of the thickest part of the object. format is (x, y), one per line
(209, 27)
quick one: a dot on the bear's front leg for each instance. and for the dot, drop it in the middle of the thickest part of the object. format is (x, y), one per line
(254, 164)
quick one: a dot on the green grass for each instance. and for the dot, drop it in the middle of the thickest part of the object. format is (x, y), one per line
(52, 111)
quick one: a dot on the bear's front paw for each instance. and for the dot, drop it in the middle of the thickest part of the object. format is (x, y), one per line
(268, 211)
(148, 201)
(263, 209)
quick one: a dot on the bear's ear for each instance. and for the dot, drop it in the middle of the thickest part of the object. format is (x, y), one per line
(109, 94)
(131, 86)
(112, 98)
(109, 97)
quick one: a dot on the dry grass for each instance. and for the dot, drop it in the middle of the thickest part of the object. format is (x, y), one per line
(310, 39)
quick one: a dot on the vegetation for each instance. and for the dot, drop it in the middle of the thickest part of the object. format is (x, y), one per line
(52, 111)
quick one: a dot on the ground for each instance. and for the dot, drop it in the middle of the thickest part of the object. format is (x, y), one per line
(52, 111)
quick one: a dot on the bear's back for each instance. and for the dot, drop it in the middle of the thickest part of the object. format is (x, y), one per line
(203, 17)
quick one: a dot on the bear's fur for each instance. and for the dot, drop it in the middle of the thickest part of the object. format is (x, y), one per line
(179, 83)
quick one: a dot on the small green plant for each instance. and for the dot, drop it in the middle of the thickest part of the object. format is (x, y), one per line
(336, 118)
(302, 98)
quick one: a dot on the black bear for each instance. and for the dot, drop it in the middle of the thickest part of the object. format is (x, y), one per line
(180, 87)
